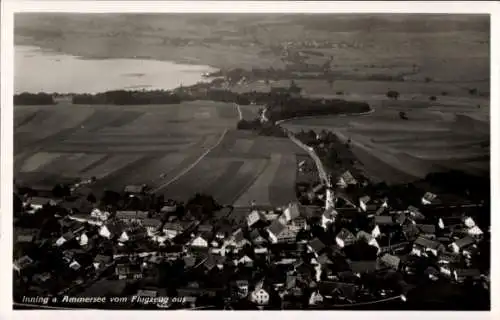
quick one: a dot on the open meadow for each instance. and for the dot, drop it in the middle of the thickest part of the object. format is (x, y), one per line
(178, 150)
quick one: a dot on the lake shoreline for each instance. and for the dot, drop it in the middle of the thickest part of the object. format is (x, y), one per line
(81, 74)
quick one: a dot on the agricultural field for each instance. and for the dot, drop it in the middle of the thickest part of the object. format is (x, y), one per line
(446, 57)
(178, 150)
(436, 137)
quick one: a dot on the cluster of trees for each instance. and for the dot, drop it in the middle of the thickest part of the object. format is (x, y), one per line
(302, 107)
(267, 129)
(392, 94)
(123, 97)
(33, 99)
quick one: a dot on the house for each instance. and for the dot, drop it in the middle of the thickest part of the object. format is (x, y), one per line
(432, 273)
(242, 288)
(25, 238)
(254, 218)
(42, 278)
(246, 261)
(291, 212)
(257, 238)
(72, 226)
(132, 234)
(23, 263)
(368, 238)
(238, 239)
(130, 216)
(289, 235)
(460, 275)
(390, 261)
(147, 293)
(427, 229)
(83, 239)
(75, 265)
(210, 262)
(462, 244)
(189, 261)
(135, 189)
(316, 246)
(448, 258)
(205, 228)
(275, 229)
(401, 218)
(415, 213)
(201, 240)
(324, 260)
(376, 232)
(395, 248)
(475, 232)
(410, 231)
(80, 217)
(101, 261)
(383, 206)
(383, 220)
(332, 289)
(428, 198)
(451, 221)
(110, 230)
(68, 236)
(260, 297)
(68, 255)
(316, 298)
(25, 235)
(128, 271)
(300, 223)
(152, 226)
(37, 203)
(328, 217)
(261, 251)
(345, 238)
(363, 202)
(363, 266)
(469, 222)
(99, 214)
(441, 223)
(347, 178)
(172, 229)
(423, 245)
(168, 208)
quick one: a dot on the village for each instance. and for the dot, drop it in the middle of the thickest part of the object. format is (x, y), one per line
(337, 246)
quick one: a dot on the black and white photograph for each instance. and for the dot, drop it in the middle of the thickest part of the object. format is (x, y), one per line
(250, 161)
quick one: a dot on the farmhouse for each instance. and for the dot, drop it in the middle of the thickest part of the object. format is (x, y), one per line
(345, 238)
(461, 245)
(23, 263)
(254, 218)
(131, 216)
(423, 245)
(275, 230)
(135, 189)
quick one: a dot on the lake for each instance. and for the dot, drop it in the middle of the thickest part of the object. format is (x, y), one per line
(38, 70)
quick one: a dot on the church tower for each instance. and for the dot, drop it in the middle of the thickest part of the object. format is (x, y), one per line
(330, 199)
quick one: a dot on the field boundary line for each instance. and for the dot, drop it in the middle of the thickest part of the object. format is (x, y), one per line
(250, 184)
(192, 165)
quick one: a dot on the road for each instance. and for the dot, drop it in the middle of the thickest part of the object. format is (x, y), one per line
(314, 156)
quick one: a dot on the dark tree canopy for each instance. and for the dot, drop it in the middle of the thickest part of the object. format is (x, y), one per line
(392, 94)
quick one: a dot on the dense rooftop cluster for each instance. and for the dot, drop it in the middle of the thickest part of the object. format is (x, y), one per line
(133, 243)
